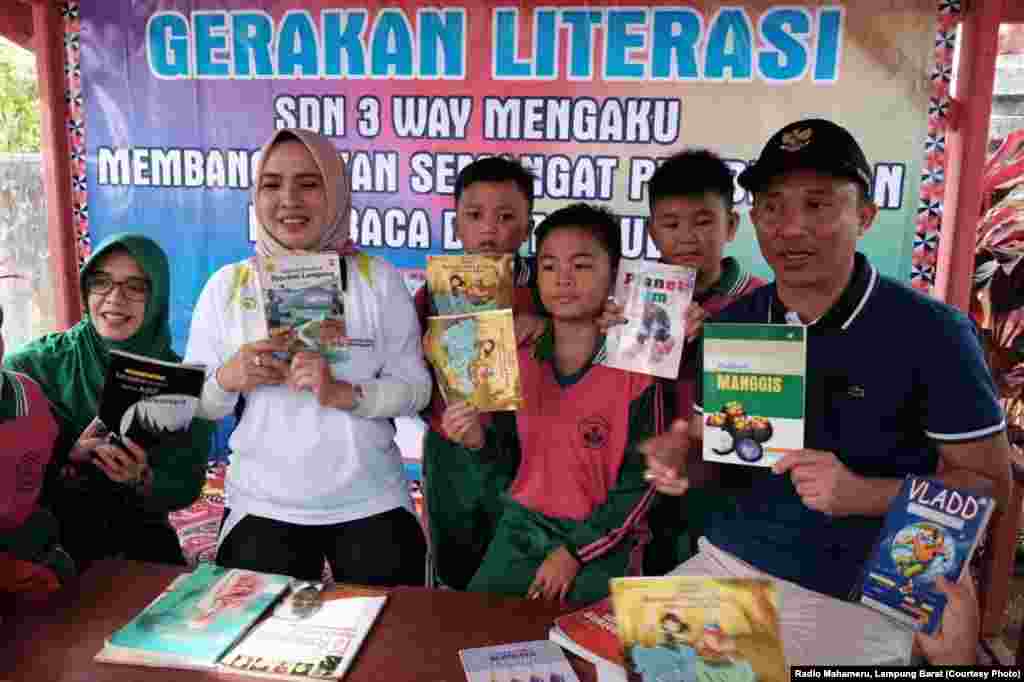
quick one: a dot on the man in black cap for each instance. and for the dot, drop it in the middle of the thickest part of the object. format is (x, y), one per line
(896, 384)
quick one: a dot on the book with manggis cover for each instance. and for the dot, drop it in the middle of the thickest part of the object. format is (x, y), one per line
(655, 297)
(930, 530)
(687, 628)
(460, 284)
(149, 401)
(753, 392)
(302, 298)
(475, 359)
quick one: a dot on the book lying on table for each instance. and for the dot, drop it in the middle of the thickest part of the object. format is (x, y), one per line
(475, 359)
(591, 634)
(460, 284)
(684, 628)
(196, 620)
(233, 620)
(302, 298)
(149, 401)
(540, 661)
(930, 530)
(753, 382)
(655, 298)
(320, 645)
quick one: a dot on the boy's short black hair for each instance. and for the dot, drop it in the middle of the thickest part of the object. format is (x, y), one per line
(596, 220)
(689, 173)
(496, 169)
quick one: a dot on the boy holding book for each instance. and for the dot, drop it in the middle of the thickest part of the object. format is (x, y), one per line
(493, 201)
(879, 404)
(692, 220)
(572, 515)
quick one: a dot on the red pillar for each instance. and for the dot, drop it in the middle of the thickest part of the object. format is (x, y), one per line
(966, 147)
(48, 39)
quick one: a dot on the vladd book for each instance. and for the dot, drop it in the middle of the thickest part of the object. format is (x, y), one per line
(688, 628)
(196, 620)
(476, 360)
(149, 401)
(930, 530)
(460, 284)
(655, 297)
(753, 392)
(302, 299)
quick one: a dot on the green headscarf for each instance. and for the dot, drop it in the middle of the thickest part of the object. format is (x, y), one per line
(71, 366)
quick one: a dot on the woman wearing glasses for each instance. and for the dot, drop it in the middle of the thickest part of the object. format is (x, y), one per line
(113, 500)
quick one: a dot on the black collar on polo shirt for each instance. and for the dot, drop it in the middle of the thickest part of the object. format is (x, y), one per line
(844, 311)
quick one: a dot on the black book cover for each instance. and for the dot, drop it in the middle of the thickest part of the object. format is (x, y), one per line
(149, 401)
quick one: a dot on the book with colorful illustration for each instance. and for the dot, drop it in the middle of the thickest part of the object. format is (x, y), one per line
(539, 661)
(149, 401)
(298, 642)
(753, 383)
(302, 298)
(461, 284)
(591, 634)
(685, 628)
(931, 530)
(475, 359)
(654, 297)
(196, 620)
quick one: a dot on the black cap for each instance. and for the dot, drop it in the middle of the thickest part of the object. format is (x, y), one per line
(812, 144)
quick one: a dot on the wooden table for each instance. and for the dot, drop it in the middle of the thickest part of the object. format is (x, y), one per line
(417, 636)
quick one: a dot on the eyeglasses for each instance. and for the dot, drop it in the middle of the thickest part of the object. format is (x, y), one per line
(134, 288)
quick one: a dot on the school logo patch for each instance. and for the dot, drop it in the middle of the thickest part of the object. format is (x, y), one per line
(595, 432)
(29, 472)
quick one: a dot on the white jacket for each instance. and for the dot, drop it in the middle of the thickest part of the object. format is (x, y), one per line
(293, 460)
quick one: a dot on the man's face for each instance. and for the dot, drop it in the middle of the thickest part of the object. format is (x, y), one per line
(808, 224)
(693, 230)
(492, 217)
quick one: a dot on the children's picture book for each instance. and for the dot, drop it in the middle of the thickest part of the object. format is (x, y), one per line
(931, 530)
(475, 359)
(539, 661)
(655, 297)
(302, 299)
(198, 618)
(462, 284)
(753, 382)
(591, 634)
(149, 401)
(684, 629)
(297, 642)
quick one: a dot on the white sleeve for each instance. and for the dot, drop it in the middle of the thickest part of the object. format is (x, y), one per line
(207, 344)
(402, 388)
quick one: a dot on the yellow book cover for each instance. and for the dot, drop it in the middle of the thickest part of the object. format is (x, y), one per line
(475, 359)
(698, 629)
(461, 284)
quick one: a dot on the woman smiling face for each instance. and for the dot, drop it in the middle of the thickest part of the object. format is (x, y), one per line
(117, 290)
(291, 200)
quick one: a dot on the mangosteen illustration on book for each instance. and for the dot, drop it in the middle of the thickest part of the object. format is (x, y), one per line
(753, 392)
